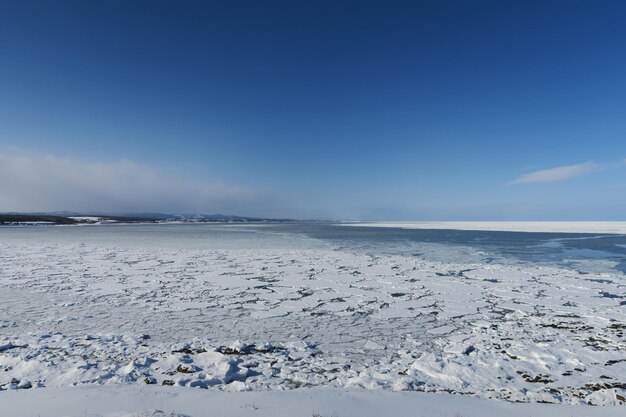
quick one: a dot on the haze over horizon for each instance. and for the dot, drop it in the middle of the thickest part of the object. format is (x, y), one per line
(432, 110)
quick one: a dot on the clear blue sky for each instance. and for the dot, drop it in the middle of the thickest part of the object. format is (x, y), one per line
(362, 110)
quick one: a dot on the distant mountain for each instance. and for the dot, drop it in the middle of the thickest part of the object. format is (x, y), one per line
(70, 217)
(188, 217)
(14, 218)
(216, 218)
(192, 217)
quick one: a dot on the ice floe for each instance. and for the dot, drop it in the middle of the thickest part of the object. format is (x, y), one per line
(276, 319)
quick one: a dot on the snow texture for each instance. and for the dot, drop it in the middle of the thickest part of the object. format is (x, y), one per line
(278, 319)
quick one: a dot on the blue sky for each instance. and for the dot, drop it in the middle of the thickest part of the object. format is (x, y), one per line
(450, 110)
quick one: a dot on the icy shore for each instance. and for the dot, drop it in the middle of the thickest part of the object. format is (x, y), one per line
(151, 401)
(508, 226)
(80, 314)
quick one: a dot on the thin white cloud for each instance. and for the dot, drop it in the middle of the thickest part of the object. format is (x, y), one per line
(33, 182)
(561, 173)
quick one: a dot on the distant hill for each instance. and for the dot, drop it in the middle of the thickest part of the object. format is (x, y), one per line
(215, 218)
(68, 217)
(31, 218)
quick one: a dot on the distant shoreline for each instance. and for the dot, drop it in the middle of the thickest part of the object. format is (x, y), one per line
(578, 227)
(76, 219)
(595, 227)
(35, 219)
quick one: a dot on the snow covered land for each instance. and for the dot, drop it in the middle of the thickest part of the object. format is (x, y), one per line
(550, 227)
(120, 328)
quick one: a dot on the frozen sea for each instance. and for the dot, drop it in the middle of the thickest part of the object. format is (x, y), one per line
(516, 316)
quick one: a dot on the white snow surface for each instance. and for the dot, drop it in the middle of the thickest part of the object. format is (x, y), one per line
(320, 320)
(151, 401)
(507, 226)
